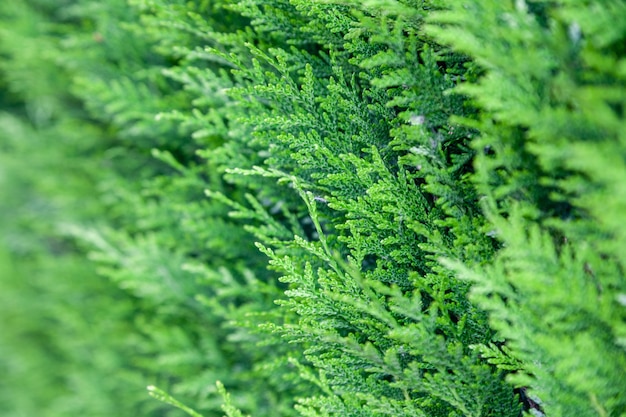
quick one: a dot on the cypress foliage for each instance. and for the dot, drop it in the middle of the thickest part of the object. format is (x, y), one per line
(403, 208)
(551, 100)
(59, 354)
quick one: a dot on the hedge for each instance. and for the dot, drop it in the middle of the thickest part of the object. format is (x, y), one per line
(313, 208)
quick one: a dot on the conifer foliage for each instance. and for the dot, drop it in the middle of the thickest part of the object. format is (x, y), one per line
(313, 208)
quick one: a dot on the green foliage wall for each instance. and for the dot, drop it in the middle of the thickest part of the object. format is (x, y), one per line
(553, 117)
(402, 208)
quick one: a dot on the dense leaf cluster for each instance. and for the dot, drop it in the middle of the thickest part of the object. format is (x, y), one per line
(313, 208)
